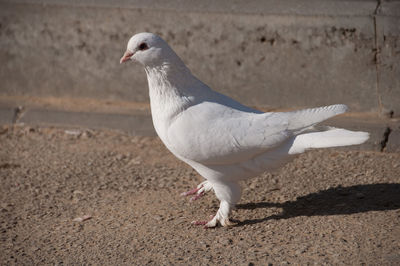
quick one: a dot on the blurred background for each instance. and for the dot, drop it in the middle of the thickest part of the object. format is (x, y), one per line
(270, 54)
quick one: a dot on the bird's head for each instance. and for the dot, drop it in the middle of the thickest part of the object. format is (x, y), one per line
(149, 50)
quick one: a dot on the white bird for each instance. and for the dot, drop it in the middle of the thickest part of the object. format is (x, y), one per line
(223, 140)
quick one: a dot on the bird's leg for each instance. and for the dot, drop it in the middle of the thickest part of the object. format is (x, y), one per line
(190, 192)
(221, 217)
(229, 194)
(199, 191)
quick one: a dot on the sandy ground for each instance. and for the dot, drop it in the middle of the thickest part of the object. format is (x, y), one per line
(104, 197)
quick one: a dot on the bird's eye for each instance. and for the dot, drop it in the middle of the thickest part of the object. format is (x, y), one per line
(143, 46)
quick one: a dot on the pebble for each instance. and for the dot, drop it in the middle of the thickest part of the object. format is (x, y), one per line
(73, 132)
(82, 219)
(226, 241)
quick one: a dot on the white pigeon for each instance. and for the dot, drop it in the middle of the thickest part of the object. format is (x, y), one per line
(223, 140)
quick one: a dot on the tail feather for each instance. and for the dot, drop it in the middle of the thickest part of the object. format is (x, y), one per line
(334, 137)
(301, 119)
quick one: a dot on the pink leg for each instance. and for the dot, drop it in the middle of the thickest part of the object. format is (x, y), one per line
(199, 222)
(203, 222)
(199, 191)
(190, 192)
(196, 197)
(194, 192)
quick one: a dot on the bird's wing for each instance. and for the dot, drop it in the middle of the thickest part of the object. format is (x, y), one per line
(211, 133)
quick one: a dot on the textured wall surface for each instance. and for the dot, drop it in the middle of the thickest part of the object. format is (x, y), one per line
(274, 54)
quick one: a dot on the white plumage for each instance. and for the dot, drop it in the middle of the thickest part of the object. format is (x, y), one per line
(223, 140)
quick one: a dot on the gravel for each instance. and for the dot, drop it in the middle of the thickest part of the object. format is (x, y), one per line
(78, 196)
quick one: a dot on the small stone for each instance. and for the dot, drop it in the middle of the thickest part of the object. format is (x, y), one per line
(82, 219)
(135, 161)
(120, 157)
(78, 192)
(226, 241)
(87, 134)
(158, 217)
(73, 132)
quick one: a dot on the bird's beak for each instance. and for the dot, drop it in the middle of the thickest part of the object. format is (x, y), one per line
(127, 55)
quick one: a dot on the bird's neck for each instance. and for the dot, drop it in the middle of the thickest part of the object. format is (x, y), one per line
(168, 78)
(171, 90)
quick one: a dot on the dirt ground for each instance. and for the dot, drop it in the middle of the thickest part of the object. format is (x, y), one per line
(76, 196)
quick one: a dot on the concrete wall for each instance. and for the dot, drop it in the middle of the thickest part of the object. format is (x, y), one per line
(272, 54)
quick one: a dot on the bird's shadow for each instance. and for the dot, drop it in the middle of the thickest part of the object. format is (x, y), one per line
(333, 201)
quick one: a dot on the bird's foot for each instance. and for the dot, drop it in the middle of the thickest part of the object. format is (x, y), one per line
(207, 224)
(199, 222)
(214, 222)
(199, 191)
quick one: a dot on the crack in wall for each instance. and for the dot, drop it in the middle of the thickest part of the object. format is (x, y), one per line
(377, 55)
(385, 139)
(18, 112)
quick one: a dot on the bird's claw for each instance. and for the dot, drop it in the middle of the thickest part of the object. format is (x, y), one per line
(196, 197)
(214, 221)
(205, 223)
(199, 191)
(190, 192)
